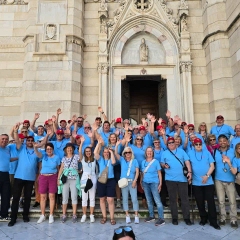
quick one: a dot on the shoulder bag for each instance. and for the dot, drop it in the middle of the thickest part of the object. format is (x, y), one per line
(123, 182)
(104, 175)
(185, 169)
(64, 177)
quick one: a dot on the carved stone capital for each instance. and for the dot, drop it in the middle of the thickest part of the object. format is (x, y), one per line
(72, 39)
(185, 66)
(103, 68)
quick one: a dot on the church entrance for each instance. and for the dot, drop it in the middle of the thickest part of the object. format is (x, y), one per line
(142, 95)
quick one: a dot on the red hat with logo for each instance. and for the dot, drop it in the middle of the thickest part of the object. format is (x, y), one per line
(164, 122)
(63, 121)
(118, 120)
(60, 132)
(197, 140)
(219, 117)
(141, 128)
(26, 121)
(190, 125)
(159, 127)
(46, 122)
(78, 137)
(21, 136)
(170, 138)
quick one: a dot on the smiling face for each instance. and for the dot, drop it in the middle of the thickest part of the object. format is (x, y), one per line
(4, 139)
(30, 142)
(106, 153)
(149, 153)
(40, 131)
(223, 142)
(112, 139)
(79, 122)
(59, 137)
(88, 152)
(87, 128)
(220, 121)
(106, 127)
(69, 150)
(237, 130)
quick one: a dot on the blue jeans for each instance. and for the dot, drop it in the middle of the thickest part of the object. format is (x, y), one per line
(133, 193)
(151, 189)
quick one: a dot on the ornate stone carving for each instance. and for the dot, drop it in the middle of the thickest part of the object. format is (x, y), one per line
(51, 32)
(184, 27)
(185, 66)
(13, 2)
(103, 26)
(143, 50)
(143, 71)
(143, 5)
(103, 68)
(103, 10)
(183, 4)
(71, 39)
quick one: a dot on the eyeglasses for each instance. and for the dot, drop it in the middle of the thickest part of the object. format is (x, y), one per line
(79, 121)
(139, 139)
(198, 144)
(23, 131)
(171, 142)
(213, 139)
(156, 142)
(190, 128)
(87, 127)
(48, 149)
(30, 140)
(127, 152)
(121, 229)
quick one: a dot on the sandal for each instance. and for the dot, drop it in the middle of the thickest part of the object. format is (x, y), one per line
(113, 222)
(103, 220)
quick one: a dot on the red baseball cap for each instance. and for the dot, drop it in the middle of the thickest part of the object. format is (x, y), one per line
(184, 123)
(63, 121)
(69, 121)
(170, 138)
(175, 123)
(60, 132)
(26, 121)
(20, 135)
(197, 140)
(78, 137)
(163, 121)
(141, 128)
(191, 125)
(118, 120)
(219, 117)
(46, 122)
(159, 127)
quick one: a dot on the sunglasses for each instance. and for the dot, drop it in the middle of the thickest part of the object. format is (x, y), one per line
(23, 131)
(30, 141)
(171, 142)
(87, 127)
(121, 229)
(213, 139)
(79, 121)
(190, 129)
(156, 142)
(139, 139)
(198, 144)
(127, 152)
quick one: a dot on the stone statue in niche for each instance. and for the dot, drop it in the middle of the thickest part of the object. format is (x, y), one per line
(184, 27)
(51, 30)
(103, 26)
(143, 51)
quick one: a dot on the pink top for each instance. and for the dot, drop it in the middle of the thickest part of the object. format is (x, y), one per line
(212, 148)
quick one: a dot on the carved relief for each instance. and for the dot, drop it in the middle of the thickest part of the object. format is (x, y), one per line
(143, 5)
(185, 66)
(103, 26)
(143, 71)
(183, 5)
(51, 32)
(184, 27)
(143, 50)
(103, 68)
(13, 2)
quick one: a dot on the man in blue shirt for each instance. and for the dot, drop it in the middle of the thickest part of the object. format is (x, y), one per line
(25, 175)
(221, 128)
(236, 139)
(225, 181)
(5, 188)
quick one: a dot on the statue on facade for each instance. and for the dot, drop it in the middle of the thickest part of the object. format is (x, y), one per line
(184, 27)
(143, 51)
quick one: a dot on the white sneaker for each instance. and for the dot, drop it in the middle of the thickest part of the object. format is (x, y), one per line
(92, 219)
(83, 219)
(136, 220)
(128, 219)
(51, 219)
(41, 219)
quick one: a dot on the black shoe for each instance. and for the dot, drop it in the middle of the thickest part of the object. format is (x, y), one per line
(215, 225)
(26, 219)
(11, 223)
(188, 222)
(234, 224)
(203, 222)
(36, 204)
(222, 222)
(165, 205)
(175, 222)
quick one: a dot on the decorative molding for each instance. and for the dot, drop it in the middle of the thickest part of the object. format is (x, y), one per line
(5, 46)
(143, 71)
(142, 5)
(72, 39)
(13, 2)
(103, 9)
(185, 66)
(103, 68)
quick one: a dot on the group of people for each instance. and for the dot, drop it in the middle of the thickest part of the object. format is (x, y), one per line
(155, 159)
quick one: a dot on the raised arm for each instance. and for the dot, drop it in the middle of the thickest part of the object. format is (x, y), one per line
(116, 150)
(12, 132)
(97, 149)
(59, 111)
(80, 148)
(113, 160)
(35, 146)
(90, 135)
(151, 128)
(185, 129)
(170, 121)
(33, 122)
(103, 114)
(15, 136)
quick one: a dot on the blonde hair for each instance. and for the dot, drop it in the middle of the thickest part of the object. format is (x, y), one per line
(127, 149)
(210, 136)
(146, 151)
(199, 127)
(138, 135)
(236, 152)
(178, 137)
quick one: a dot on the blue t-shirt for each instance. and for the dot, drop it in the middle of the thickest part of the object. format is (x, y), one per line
(162, 144)
(235, 140)
(102, 165)
(158, 154)
(4, 159)
(151, 176)
(30, 133)
(224, 129)
(124, 168)
(236, 163)
(139, 153)
(105, 137)
(80, 130)
(220, 174)
(50, 164)
(182, 135)
(59, 146)
(147, 140)
(27, 164)
(14, 154)
(86, 143)
(175, 172)
(200, 162)
(37, 137)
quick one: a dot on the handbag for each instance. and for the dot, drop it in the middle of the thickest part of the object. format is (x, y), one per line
(104, 175)
(185, 169)
(237, 180)
(64, 177)
(123, 182)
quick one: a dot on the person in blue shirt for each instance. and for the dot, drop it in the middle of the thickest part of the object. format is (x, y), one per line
(78, 126)
(222, 128)
(40, 134)
(107, 190)
(147, 138)
(47, 180)
(236, 139)
(151, 180)
(88, 137)
(203, 187)
(191, 130)
(224, 181)
(129, 171)
(25, 175)
(173, 160)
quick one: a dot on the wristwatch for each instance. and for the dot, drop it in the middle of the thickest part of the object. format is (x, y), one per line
(207, 175)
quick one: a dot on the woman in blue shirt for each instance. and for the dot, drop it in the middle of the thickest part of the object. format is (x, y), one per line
(203, 187)
(107, 190)
(151, 180)
(130, 171)
(48, 180)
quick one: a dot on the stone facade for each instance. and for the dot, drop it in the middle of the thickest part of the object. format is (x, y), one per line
(73, 54)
